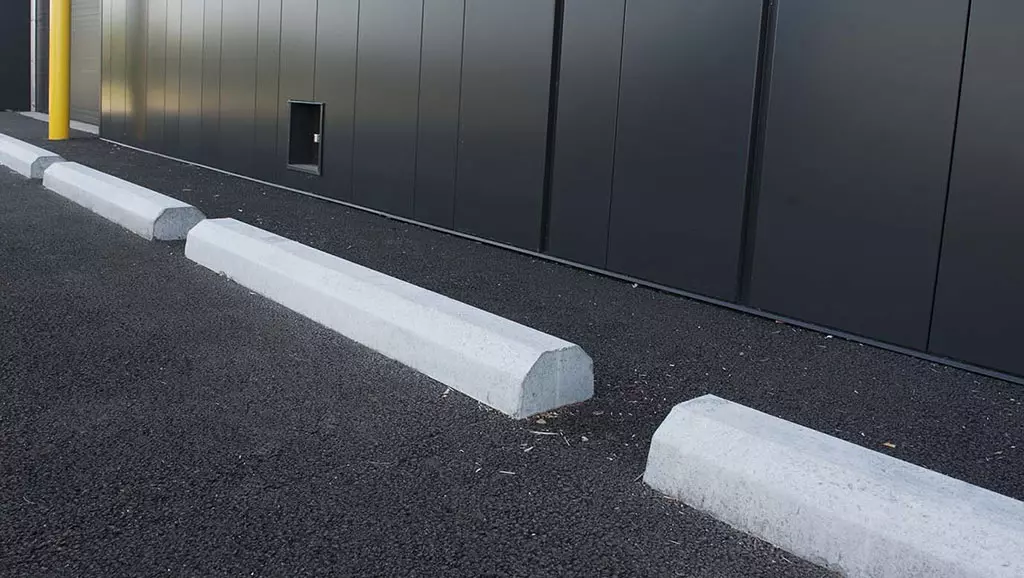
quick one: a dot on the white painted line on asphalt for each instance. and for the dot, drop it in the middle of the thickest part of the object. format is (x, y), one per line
(75, 125)
(138, 209)
(515, 369)
(25, 159)
(834, 503)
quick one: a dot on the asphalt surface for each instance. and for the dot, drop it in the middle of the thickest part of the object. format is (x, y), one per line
(651, 351)
(157, 419)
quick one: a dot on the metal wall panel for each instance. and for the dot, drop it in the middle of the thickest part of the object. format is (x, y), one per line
(105, 70)
(268, 60)
(506, 77)
(190, 101)
(16, 63)
(118, 69)
(298, 58)
(240, 24)
(41, 64)
(859, 132)
(689, 70)
(588, 103)
(156, 70)
(172, 70)
(387, 94)
(86, 43)
(979, 311)
(438, 123)
(210, 147)
(136, 47)
(335, 85)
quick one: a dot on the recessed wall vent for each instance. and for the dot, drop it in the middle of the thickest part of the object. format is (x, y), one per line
(305, 136)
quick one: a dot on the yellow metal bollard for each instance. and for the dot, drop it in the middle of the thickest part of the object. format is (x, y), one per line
(60, 69)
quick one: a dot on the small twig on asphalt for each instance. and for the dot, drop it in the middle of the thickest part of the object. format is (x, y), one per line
(543, 433)
(564, 439)
(637, 479)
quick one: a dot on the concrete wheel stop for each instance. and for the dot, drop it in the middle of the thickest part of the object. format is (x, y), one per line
(146, 213)
(513, 368)
(831, 502)
(25, 159)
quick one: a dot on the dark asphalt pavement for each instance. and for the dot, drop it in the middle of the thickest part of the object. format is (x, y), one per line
(157, 419)
(651, 351)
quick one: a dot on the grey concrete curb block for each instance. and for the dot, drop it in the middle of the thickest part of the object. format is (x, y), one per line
(25, 159)
(829, 501)
(140, 210)
(510, 367)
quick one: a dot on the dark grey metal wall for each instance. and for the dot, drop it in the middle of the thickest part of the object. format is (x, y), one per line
(588, 111)
(506, 76)
(978, 303)
(386, 105)
(436, 110)
(16, 59)
(790, 155)
(237, 102)
(440, 90)
(861, 112)
(655, 115)
(268, 62)
(334, 82)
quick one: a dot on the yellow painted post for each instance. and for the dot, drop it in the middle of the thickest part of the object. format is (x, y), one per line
(60, 69)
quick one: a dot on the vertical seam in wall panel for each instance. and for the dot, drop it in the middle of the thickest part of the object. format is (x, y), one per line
(419, 94)
(256, 76)
(218, 141)
(458, 121)
(552, 136)
(755, 151)
(103, 60)
(615, 135)
(32, 54)
(277, 105)
(108, 31)
(220, 82)
(949, 175)
(316, 55)
(123, 4)
(163, 93)
(145, 93)
(202, 74)
(177, 136)
(355, 97)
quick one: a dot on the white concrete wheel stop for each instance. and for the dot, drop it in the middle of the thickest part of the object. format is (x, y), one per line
(515, 369)
(25, 159)
(831, 502)
(146, 213)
